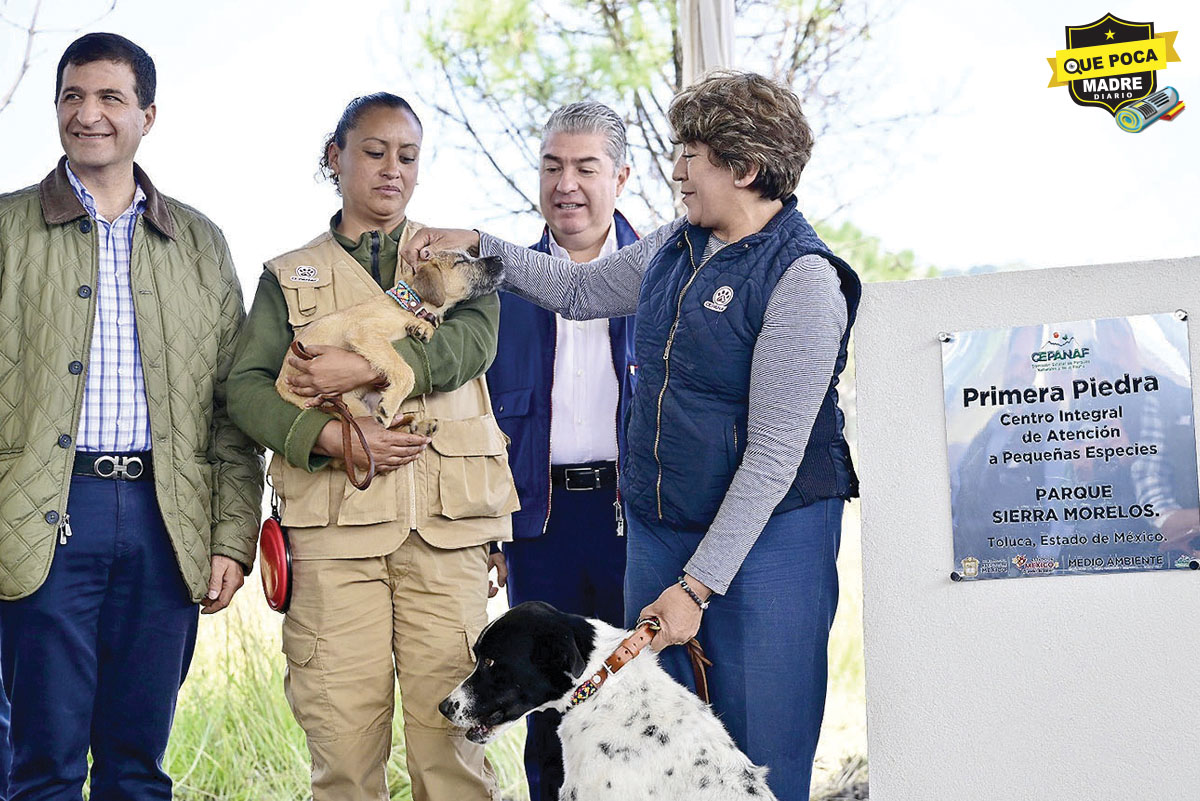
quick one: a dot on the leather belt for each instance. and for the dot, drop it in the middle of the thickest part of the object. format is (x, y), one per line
(114, 466)
(583, 477)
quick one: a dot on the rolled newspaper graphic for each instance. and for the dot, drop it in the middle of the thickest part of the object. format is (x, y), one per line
(1136, 117)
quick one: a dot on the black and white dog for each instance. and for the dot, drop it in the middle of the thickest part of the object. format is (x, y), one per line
(641, 735)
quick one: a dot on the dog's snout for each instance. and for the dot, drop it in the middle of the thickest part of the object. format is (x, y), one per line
(448, 708)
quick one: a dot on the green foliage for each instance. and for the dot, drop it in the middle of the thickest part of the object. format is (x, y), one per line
(868, 257)
(593, 46)
(502, 68)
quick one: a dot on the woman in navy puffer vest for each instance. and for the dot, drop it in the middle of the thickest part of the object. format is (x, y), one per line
(736, 469)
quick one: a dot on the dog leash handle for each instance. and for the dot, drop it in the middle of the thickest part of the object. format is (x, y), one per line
(337, 407)
(695, 655)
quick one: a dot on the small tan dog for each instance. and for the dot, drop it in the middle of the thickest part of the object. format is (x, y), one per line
(414, 307)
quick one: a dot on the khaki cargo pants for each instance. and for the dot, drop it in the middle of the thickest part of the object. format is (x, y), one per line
(353, 624)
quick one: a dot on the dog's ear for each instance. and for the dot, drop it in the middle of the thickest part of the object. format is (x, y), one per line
(583, 640)
(429, 285)
(565, 647)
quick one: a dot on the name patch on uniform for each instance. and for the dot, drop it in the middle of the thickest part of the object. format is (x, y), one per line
(305, 272)
(720, 299)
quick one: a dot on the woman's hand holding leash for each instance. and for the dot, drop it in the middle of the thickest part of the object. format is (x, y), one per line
(677, 613)
(331, 371)
(427, 241)
(391, 449)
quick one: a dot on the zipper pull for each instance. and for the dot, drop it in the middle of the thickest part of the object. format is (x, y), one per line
(64, 530)
(620, 518)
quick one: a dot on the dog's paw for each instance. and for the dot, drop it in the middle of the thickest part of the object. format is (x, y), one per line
(424, 428)
(382, 415)
(420, 329)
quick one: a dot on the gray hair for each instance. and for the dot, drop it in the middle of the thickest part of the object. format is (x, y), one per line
(590, 117)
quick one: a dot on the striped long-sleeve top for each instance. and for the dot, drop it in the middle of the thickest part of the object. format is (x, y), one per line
(792, 366)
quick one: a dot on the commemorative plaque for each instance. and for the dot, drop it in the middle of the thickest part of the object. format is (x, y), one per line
(1072, 448)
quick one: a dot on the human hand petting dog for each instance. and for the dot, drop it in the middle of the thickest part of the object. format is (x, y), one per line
(331, 371)
(677, 613)
(391, 449)
(428, 240)
(227, 578)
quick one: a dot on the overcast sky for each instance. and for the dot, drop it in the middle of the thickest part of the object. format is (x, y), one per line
(1011, 171)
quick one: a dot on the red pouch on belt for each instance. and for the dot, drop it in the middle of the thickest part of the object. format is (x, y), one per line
(275, 564)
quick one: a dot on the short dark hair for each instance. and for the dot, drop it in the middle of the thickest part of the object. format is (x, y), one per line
(351, 116)
(111, 47)
(747, 121)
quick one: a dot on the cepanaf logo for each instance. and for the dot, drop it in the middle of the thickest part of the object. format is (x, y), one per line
(305, 272)
(720, 299)
(1060, 352)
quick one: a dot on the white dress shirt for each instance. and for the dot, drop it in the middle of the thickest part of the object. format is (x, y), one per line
(583, 401)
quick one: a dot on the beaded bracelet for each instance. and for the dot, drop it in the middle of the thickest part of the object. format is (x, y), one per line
(683, 583)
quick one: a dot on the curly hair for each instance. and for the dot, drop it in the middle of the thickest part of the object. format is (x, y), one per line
(351, 116)
(747, 121)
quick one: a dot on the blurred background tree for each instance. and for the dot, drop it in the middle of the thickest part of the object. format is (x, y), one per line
(503, 66)
(29, 26)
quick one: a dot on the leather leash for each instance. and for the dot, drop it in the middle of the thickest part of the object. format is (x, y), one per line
(629, 648)
(699, 663)
(337, 407)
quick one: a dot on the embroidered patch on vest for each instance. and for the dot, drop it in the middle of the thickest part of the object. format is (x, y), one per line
(720, 299)
(305, 272)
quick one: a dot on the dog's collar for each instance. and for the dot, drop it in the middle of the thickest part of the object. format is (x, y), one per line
(630, 647)
(409, 300)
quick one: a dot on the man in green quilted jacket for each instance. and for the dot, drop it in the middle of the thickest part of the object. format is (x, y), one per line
(127, 498)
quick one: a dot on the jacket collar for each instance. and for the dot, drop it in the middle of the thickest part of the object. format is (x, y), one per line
(59, 204)
(699, 236)
(626, 235)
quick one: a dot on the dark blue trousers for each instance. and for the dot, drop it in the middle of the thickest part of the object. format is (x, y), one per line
(766, 636)
(95, 657)
(5, 745)
(578, 566)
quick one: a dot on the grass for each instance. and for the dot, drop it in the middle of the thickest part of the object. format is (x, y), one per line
(234, 737)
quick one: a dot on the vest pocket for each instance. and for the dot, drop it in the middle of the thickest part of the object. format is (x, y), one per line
(514, 403)
(303, 496)
(468, 470)
(309, 295)
(378, 503)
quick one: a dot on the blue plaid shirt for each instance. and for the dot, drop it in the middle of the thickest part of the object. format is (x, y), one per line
(115, 415)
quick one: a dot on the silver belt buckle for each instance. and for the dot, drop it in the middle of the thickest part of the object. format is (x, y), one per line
(595, 478)
(126, 468)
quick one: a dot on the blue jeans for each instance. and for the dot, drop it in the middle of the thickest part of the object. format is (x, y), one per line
(94, 658)
(766, 636)
(5, 745)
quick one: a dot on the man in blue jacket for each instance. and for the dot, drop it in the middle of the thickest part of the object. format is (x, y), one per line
(559, 388)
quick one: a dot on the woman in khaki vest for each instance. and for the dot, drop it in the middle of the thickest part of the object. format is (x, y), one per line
(392, 580)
